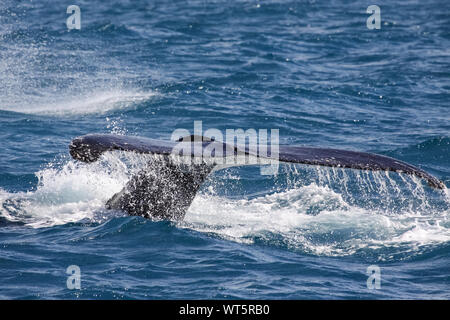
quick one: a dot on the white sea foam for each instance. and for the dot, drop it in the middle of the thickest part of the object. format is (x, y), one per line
(339, 228)
(69, 194)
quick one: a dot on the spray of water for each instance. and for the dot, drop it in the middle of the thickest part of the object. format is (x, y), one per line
(34, 80)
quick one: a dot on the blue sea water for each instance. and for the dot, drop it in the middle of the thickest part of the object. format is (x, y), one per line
(311, 69)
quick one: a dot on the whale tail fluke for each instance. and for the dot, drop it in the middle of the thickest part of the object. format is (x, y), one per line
(165, 188)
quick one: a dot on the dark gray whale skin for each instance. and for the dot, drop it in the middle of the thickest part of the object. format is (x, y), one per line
(164, 189)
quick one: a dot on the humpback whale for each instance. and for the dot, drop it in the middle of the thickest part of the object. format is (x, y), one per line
(165, 188)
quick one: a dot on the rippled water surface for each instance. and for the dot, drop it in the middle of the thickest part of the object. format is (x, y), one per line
(311, 69)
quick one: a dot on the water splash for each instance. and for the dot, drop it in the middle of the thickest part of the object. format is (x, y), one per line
(333, 212)
(74, 192)
(321, 211)
(316, 220)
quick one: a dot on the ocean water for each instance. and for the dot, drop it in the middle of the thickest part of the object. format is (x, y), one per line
(311, 69)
